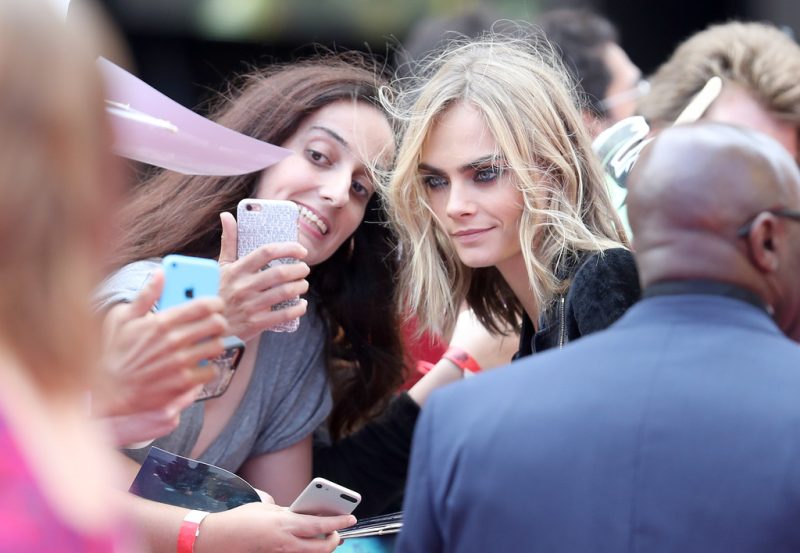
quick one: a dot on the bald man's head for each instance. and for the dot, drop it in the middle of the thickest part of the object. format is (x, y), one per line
(693, 190)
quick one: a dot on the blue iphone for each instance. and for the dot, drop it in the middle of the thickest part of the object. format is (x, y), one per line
(186, 278)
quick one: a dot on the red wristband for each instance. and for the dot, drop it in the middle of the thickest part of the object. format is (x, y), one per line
(461, 359)
(190, 529)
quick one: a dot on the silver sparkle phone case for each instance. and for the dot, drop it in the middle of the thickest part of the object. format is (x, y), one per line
(263, 222)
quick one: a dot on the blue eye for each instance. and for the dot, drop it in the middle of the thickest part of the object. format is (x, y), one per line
(487, 175)
(434, 181)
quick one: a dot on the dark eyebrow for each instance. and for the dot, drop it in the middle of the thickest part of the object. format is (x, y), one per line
(338, 138)
(429, 169)
(471, 166)
(333, 134)
(482, 161)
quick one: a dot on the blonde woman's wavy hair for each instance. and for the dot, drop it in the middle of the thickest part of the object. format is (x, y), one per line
(531, 109)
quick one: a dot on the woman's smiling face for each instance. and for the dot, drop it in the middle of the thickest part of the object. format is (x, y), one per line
(329, 176)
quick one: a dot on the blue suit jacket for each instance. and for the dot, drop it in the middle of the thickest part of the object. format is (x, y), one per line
(677, 429)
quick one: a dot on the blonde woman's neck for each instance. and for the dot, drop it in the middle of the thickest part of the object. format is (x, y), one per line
(515, 273)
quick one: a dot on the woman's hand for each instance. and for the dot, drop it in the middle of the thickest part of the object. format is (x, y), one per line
(152, 360)
(141, 428)
(266, 527)
(489, 350)
(250, 293)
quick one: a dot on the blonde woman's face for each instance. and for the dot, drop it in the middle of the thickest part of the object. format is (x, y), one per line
(468, 189)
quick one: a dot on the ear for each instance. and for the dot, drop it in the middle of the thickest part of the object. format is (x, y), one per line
(766, 241)
(594, 124)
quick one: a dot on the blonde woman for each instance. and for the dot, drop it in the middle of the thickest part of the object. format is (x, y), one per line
(499, 201)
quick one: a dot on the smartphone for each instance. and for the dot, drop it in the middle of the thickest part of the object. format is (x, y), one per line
(265, 222)
(225, 367)
(186, 278)
(325, 498)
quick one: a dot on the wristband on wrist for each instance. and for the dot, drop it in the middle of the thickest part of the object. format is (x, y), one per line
(190, 529)
(462, 360)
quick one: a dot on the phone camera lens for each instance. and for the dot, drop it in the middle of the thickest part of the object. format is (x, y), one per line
(319, 486)
(189, 293)
(249, 207)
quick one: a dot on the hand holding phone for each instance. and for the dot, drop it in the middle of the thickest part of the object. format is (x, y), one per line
(249, 292)
(265, 527)
(261, 222)
(145, 356)
(325, 498)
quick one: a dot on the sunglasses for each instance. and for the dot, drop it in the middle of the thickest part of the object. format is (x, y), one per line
(641, 88)
(785, 213)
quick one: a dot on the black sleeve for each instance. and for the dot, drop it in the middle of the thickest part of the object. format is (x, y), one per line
(374, 460)
(604, 287)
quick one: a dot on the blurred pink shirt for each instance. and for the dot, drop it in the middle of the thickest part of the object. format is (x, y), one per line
(27, 523)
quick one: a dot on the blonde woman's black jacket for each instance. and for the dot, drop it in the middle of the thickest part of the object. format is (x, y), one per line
(602, 287)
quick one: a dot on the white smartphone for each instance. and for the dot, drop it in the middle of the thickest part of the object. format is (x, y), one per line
(262, 222)
(325, 498)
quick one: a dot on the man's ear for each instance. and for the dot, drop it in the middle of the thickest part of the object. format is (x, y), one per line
(594, 124)
(766, 242)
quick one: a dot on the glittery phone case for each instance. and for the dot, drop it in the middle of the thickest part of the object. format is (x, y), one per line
(265, 222)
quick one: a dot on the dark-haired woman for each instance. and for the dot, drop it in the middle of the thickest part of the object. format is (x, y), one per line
(327, 113)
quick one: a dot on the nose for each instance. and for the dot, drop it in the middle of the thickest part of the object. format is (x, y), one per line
(460, 202)
(335, 188)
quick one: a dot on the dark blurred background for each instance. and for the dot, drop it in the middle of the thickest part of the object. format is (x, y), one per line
(188, 48)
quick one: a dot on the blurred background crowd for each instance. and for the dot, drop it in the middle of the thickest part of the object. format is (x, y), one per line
(188, 48)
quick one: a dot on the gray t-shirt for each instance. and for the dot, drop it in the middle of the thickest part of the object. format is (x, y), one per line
(287, 398)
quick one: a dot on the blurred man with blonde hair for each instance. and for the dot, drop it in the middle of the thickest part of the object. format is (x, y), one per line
(759, 67)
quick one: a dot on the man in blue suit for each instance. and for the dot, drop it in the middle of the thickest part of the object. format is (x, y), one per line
(675, 430)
